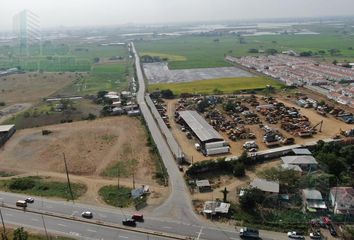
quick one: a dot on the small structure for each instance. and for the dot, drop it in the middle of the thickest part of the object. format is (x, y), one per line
(301, 151)
(312, 200)
(216, 207)
(266, 186)
(203, 186)
(342, 200)
(6, 131)
(138, 192)
(305, 162)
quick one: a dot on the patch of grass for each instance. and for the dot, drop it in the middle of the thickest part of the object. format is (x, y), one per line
(120, 168)
(39, 186)
(6, 174)
(36, 236)
(170, 57)
(118, 197)
(223, 85)
(109, 138)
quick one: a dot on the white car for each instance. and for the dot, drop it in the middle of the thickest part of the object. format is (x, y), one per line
(29, 200)
(87, 214)
(295, 235)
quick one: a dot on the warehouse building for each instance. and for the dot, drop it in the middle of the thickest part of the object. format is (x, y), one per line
(6, 131)
(211, 142)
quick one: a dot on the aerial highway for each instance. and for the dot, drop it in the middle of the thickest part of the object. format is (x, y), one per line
(175, 216)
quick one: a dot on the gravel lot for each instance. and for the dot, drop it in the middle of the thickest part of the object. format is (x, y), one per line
(160, 73)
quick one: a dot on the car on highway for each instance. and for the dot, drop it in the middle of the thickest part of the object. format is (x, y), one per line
(295, 235)
(249, 233)
(129, 222)
(29, 200)
(21, 203)
(139, 217)
(87, 214)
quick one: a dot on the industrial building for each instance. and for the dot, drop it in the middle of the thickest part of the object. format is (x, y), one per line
(211, 142)
(6, 131)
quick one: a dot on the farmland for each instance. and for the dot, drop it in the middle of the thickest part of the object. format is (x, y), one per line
(205, 51)
(225, 85)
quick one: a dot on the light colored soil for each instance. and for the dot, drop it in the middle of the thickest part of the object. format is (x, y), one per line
(32, 87)
(89, 146)
(331, 127)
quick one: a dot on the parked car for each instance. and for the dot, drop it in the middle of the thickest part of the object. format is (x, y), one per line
(139, 217)
(315, 235)
(29, 200)
(129, 222)
(332, 230)
(295, 235)
(87, 214)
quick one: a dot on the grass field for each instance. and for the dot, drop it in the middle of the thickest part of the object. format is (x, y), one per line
(118, 197)
(35, 236)
(204, 51)
(42, 187)
(225, 85)
(170, 57)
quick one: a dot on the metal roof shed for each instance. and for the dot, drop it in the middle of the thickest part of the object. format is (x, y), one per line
(200, 127)
(301, 151)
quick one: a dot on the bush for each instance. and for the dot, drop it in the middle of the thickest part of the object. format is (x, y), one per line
(21, 184)
(239, 169)
(2, 104)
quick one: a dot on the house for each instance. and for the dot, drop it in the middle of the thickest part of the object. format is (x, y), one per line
(305, 162)
(203, 186)
(215, 207)
(6, 131)
(265, 185)
(342, 200)
(312, 200)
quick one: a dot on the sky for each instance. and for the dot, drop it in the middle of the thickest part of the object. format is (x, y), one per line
(54, 13)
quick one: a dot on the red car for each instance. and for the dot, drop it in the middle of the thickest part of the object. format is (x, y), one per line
(139, 217)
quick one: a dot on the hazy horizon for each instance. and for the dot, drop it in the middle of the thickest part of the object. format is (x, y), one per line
(118, 12)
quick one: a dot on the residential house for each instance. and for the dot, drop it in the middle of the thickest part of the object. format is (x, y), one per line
(342, 200)
(305, 162)
(203, 186)
(269, 187)
(312, 200)
(216, 207)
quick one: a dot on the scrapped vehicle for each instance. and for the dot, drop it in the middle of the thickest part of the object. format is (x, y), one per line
(295, 235)
(332, 230)
(87, 214)
(129, 222)
(249, 233)
(21, 203)
(139, 217)
(29, 200)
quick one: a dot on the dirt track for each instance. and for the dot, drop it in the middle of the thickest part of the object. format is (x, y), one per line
(89, 146)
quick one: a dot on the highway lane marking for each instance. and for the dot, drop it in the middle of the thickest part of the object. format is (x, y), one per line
(167, 227)
(8, 214)
(60, 224)
(90, 230)
(200, 233)
(33, 219)
(123, 236)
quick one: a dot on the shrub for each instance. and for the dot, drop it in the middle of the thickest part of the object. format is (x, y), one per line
(22, 184)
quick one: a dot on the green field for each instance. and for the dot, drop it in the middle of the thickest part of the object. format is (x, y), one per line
(224, 85)
(118, 197)
(42, 187)
(204, 51)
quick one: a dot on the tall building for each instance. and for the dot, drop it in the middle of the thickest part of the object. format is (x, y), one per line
(26, 26)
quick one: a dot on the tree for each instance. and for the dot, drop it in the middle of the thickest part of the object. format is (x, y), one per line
(271, 51)
(239, 169)
(96, 59)
(167, 94)
(253, 50)
(20, 234)
(225, 192)
(347, 152)
(288, 179)
(251, 198)
(101, 94)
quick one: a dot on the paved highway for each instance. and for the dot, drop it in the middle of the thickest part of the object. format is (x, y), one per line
(175, 216)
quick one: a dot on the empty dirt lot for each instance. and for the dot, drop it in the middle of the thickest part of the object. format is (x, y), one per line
(32, 87)
(90, 147)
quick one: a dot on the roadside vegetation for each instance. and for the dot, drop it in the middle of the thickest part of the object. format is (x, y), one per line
(116, 196)
(21, 234)
(217, 86)
(40, 186)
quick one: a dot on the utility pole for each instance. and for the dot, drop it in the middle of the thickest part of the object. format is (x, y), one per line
(45, 228)
(67, 176)
(4, 236)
